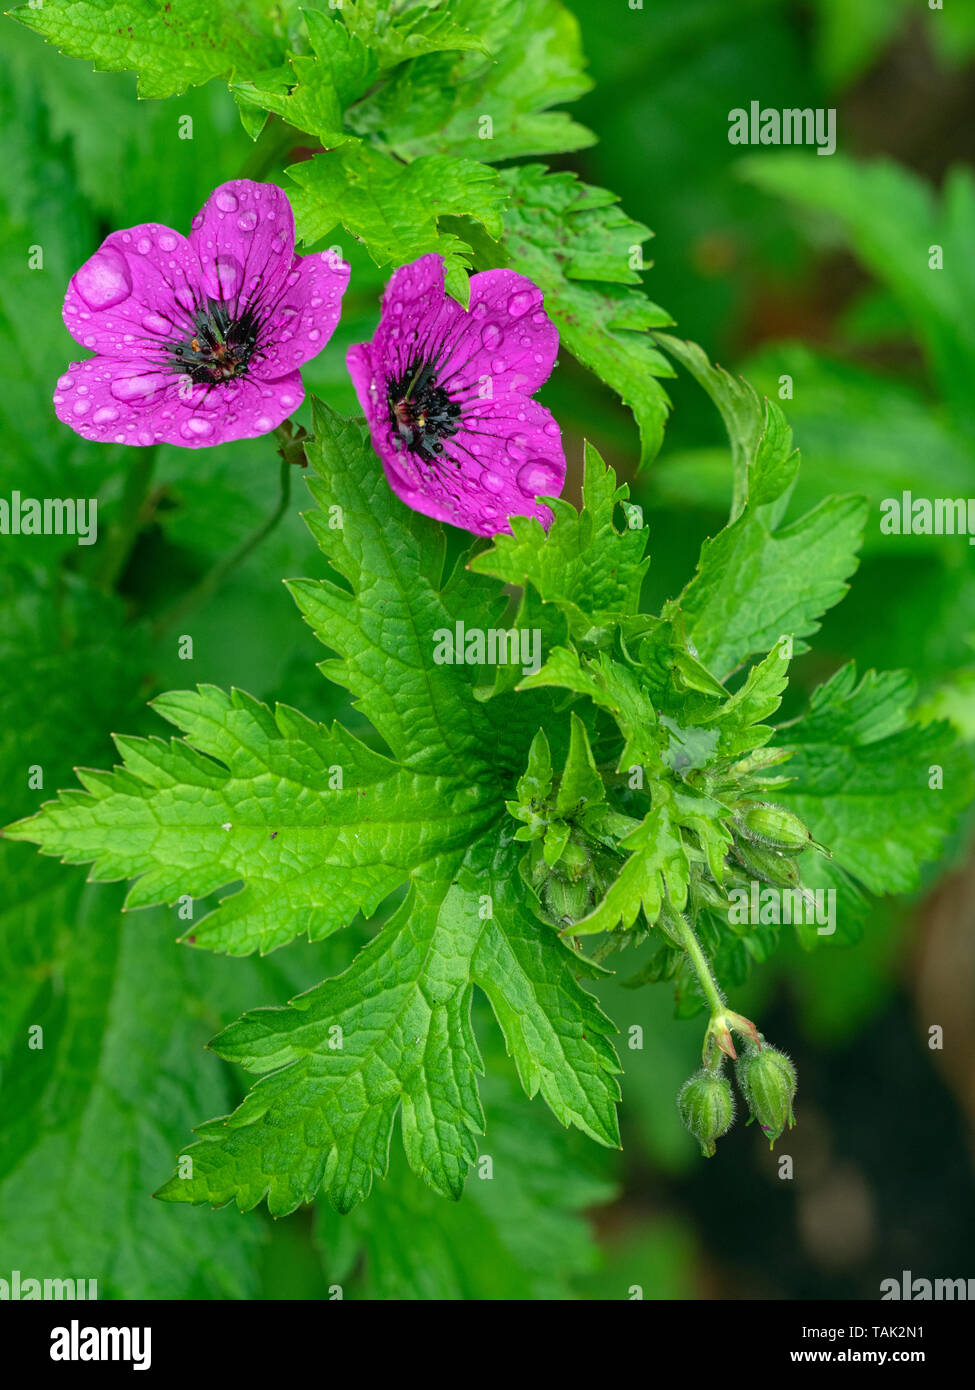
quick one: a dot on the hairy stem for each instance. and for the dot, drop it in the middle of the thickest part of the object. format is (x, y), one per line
(682, 929)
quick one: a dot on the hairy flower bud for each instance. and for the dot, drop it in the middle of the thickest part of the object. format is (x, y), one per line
(772, 826)
(768, 1082)
(768, 865)
(707, 1108)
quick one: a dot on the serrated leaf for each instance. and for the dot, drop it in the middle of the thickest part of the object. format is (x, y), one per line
(493, 107)
(171, 44)
(252, 796)
(591, 571)
(580, 248)
(863, 778)
(394, 208)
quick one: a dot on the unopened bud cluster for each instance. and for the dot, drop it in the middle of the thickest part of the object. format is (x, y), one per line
(767, 1081)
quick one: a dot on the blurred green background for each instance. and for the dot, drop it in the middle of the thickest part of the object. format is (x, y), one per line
(777, 263)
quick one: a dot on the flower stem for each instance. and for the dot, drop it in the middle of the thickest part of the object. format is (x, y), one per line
(214, 577)
(682, 929)
(124, 529)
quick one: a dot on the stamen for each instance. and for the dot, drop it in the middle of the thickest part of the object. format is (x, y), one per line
(421, 413)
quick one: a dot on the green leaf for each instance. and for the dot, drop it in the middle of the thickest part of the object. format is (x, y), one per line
(171, 44)
(487, 108)
(592, 572)
(518, 1234)
(93, 1114)
(894, 222)
(582, 250)
(253, 797)
(657, 865)
(394, 208)
(862, 778)
(311, 94)
(756, 581)
(396, 32)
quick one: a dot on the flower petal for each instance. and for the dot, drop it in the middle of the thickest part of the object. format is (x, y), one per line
(506, 453)
(129, 402)
(504, 342)
(133, 295)
(305, 316)
(244, 237)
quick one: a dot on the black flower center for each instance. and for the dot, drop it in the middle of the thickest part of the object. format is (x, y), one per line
(220, 344)
(421, 413)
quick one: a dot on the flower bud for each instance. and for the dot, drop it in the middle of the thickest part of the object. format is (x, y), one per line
(566, 901)
(707, 1108)
(768, 1082)
(772, 826)
(768, 865)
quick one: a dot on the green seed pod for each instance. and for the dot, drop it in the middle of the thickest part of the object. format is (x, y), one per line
(768, 1082)
(768, 865)
(771, 826)
(574, 860)
(707, 1108)
(567, 902)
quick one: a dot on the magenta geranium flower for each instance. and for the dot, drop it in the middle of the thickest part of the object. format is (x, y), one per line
(199, 338)
(447, 394)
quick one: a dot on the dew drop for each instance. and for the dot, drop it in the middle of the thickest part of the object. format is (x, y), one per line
(225, 200)
(263, 422)
(498, 365)
(81, 407)
(105, 415)
(104, 280)
(492, 482)
(167, 241)
(195, 428)
(64, 381)
(137, 389)
(520, 303)
(538, 478)
(247, 220)
(144, 437)
(491, 336)
(155, 323)
(143, 245)
(314, 335)
(226, 272)
(197, 222)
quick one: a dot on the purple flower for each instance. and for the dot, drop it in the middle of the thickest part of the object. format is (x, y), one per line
(199, 338)
(447, 395)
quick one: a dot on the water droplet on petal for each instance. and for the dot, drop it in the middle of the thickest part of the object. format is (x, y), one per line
(64, 381)
(551, 427)
(247, 220)
(143, 245)
(225, 200)
(264, 422)
(197, 222)
(539, 478)
(81, 407)
(492, 482)
(314, 335)
(105, 415)
(155, 323)
(138, 389)
(226, 272)
(104, 280)
(498, 365)
(144, 437)
(167, 241)
(195, 428)
(491, 336)
(520, 303)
